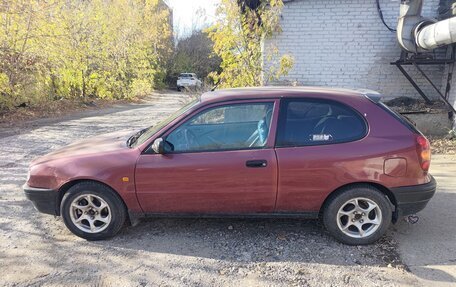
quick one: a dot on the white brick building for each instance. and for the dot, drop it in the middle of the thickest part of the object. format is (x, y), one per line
(343, 43)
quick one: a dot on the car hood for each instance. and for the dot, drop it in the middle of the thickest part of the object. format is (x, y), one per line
(105, 143)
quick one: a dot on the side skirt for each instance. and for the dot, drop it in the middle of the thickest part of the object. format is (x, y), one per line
(300, 215)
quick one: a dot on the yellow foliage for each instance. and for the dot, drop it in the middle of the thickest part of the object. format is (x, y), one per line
(77, 49)
(238, 36)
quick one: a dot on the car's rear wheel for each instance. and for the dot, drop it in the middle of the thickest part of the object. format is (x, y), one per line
(93, 211)
(358, 215)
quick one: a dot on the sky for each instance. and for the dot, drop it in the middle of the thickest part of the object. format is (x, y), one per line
(192, 14)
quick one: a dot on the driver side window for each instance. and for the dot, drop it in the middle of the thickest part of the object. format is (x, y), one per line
(228, 127)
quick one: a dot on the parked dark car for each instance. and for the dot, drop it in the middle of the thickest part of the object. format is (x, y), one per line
(340, 155)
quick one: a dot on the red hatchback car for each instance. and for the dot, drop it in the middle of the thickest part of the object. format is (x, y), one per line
(340, 155)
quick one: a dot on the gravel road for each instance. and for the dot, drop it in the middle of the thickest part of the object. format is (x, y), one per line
(37, 249)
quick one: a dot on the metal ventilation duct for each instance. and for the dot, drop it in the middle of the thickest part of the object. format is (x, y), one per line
(439, 34)
(418, 34)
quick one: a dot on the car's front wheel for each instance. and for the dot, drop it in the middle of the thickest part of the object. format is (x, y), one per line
(358, 215)
(93, 211)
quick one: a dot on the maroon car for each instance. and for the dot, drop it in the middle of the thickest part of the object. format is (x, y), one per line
(340, 155)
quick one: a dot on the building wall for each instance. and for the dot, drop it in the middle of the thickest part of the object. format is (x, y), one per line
(343, 43)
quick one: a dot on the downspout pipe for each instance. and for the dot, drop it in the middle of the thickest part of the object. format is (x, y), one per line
(417, 34)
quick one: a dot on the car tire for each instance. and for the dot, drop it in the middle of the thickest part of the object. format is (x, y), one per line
(93, 211)
(357, 215)
(179, 89)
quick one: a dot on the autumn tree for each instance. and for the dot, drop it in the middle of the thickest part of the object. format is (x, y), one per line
(194, 54)
(238, 35)
(78, 49)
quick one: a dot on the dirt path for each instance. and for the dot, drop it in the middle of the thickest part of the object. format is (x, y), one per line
(37, 249)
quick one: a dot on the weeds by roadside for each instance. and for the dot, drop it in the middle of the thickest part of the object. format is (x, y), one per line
(444, 144)
(55, 109)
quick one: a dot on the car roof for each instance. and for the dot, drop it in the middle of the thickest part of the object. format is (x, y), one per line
(277, 92)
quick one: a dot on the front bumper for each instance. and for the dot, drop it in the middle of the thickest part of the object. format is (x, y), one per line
(44, 200)
(411, 199)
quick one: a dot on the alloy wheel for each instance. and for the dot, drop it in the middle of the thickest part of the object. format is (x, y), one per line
(359, 217)
(90, 213)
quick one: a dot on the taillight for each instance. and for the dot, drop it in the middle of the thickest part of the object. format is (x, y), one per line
(423, 149)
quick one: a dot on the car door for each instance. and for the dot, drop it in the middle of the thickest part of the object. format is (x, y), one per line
(222, 162)
(317, 149)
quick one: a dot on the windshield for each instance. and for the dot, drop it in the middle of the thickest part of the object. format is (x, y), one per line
(152, 130)
(187, 75)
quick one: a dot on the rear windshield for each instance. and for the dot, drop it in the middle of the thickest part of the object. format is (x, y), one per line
(404, 120)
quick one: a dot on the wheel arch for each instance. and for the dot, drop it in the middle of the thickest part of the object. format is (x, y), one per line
(383, 189)
(64, 189)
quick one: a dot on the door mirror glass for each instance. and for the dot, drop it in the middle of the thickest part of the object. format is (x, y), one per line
(160, 146)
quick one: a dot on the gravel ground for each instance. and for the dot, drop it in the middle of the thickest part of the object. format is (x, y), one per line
(37, 249)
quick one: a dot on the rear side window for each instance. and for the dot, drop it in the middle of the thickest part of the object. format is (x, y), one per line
(305, 122)
(402, 119)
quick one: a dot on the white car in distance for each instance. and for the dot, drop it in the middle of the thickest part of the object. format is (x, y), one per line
(188, 80)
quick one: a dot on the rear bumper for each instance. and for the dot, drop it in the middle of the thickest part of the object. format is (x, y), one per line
(411, 199)
(44, 200)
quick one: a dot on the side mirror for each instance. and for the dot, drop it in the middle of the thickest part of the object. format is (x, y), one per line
(161, 146)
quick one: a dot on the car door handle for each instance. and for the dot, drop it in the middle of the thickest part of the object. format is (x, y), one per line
(256, 163)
